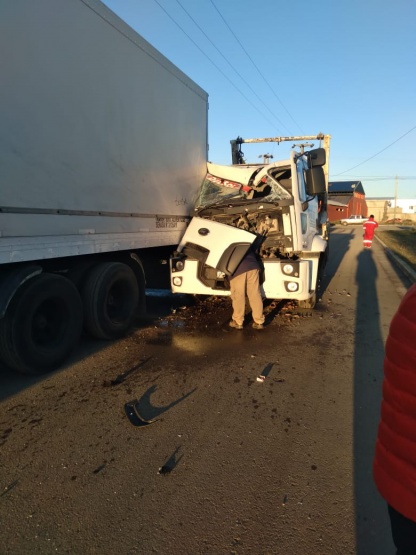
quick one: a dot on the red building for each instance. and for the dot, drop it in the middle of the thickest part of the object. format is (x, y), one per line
(345, 199)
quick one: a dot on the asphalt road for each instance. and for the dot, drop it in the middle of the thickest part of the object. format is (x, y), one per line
(221, 463)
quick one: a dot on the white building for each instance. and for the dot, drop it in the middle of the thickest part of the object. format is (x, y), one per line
(408, 205)
(383, 208)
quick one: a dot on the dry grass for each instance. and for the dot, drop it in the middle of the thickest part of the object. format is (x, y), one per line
(402, 242)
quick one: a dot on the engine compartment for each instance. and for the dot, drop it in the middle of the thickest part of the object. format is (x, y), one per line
(261, 206)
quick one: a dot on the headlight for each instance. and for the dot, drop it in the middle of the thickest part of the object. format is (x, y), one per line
(292, 286)
(288, 269)
(177, 281)
(179, 265)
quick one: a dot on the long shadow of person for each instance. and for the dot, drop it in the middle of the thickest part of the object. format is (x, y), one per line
(372, 538)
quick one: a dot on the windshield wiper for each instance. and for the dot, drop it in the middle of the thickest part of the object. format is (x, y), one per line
(223, 201)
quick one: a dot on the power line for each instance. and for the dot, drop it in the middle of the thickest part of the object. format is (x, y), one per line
(256, 67)
(231, 65)
(371, 157)
(381, 178)
(214, 64)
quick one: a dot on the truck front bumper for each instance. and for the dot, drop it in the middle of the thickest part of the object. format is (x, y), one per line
(283, 279)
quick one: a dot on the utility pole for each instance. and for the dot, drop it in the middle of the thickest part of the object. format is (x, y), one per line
(396, 186)
(302, 146)
(266, 158)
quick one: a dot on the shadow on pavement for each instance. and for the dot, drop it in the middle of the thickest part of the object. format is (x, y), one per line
(161, 303)
(373, 535)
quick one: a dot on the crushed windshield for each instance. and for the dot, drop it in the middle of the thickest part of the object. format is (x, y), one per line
(215, 190)
(271, 190)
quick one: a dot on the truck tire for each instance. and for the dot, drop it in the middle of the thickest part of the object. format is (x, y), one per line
(42, 324)
(110, 296)
(305, 308)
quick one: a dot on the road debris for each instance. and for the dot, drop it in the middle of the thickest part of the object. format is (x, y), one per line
(165, 469)
(130, 409)
(99, 468)
(122, 377)
(170, 463)
(265, 373)
(8, 488)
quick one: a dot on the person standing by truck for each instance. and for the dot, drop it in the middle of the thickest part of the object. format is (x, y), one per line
(369, 229)
(246, 281)
(394, 466)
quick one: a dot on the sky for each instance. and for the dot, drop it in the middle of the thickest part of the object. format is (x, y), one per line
(346, 68)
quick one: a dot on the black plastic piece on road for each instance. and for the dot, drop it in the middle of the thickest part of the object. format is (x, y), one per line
(130, 409)
(9, 487)
(170, 464)
(123, 377)
(99, 468)
(165, 469)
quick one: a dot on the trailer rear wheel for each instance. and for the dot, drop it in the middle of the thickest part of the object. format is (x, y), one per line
(110, 295)
(42, 324)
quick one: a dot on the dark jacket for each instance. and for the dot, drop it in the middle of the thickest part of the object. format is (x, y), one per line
(249, 262)
(394, 465)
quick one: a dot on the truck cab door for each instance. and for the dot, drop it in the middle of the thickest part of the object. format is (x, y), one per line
(308, 208)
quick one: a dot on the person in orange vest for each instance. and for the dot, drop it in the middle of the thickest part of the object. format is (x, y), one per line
(394, 464)
(369, 228)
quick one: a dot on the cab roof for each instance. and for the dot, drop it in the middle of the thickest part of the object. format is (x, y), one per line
(243, 173)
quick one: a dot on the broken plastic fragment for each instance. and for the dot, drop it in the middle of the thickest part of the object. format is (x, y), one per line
(165, 469)
(8, 488)
(170, 464)
(134, 417)
(122, 377)
(99, 468)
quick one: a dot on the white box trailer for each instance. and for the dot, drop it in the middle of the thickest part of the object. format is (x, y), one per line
(103, 147)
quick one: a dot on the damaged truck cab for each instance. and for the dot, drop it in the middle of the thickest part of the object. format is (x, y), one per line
(279, 208)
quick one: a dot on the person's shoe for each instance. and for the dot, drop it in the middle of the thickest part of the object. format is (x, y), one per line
(233, 324)
(257, 326)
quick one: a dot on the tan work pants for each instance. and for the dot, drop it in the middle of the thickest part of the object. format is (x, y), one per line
(247, 283)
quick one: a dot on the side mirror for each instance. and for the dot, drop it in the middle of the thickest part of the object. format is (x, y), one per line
(315, 181)
(316, 157)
